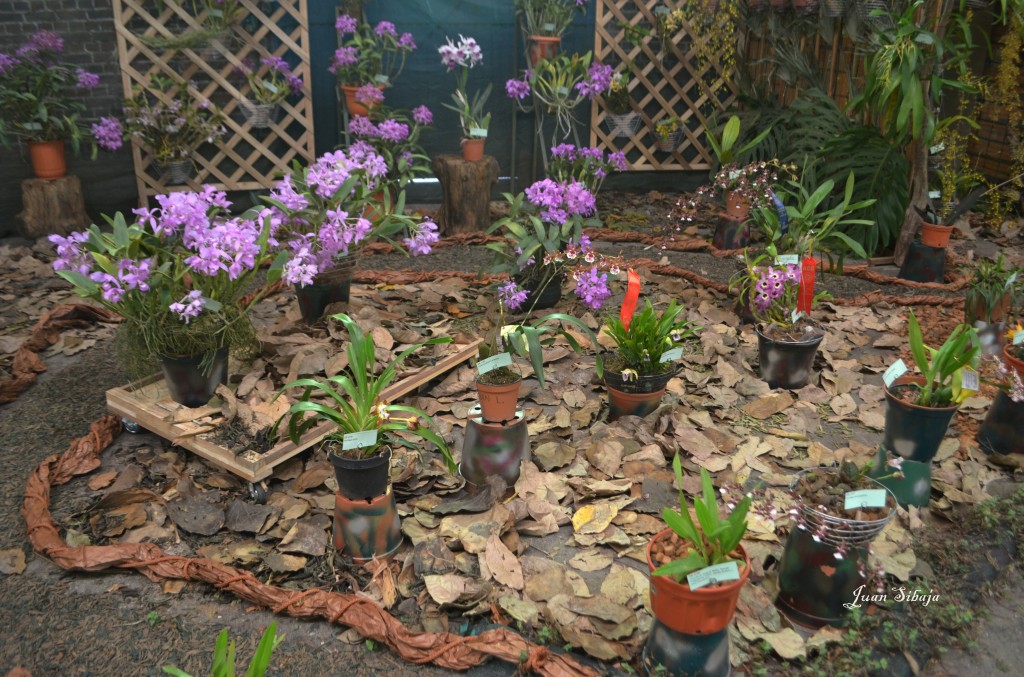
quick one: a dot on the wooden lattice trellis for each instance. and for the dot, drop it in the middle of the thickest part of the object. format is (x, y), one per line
(244, 158)
(665, 80)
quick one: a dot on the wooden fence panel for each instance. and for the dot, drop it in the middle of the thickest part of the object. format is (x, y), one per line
(244, 158)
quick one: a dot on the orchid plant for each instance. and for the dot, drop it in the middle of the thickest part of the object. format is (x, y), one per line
(319, 213)
(273, 82)
(589, 166)
(460, 58)
(41, 97)
(171, 131)
(548, 17)
(395, 138)
(176, 275)
(369, 55)
(560, 85)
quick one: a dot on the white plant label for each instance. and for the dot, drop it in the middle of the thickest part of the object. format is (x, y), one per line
(548, 27)
(1018, 338)
(937, 148)
(865, 498)
(934, 194)
(795, 315)
(366, 438)
(969, 380)
(787, 260)
(672, 355)
(898, 368)
(1010, 280)
(477, 133)
(493, 362)
(719, 573)
(380, 79)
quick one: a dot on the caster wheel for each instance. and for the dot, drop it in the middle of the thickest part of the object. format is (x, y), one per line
(131, 426)
(257, 493)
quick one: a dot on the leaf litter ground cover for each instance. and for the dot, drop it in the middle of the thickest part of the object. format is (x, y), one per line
(560, 554)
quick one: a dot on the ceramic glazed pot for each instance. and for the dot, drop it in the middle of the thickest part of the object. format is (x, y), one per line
(912, 431)
(332, 286)
(364, 530)
(731, 233)
(786, 364)
(737, 206)
(362, 479)
(547, 297)
(47, 157)
(674, 654)
(188, 383)
(494, 449)
(694, 612)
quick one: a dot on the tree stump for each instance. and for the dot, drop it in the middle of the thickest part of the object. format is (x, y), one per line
(466, 188)
(52, 206)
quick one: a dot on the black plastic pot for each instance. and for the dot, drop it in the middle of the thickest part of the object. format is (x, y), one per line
(924, 263)
(731, 233)
(912, 431)
(691, 655)
(645, 383)
(332, 286)
(545, 297)
(188, 383)
(1002, 432)
(786, 364)
(362, 479)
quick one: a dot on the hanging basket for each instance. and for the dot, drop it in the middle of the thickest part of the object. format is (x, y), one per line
(259, 115)
(622, 126)
(177, 172)
(667, 145)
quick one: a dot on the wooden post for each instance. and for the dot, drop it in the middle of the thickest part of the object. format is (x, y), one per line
(466, 188)
(52, 206)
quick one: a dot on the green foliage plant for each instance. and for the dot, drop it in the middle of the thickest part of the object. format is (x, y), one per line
(712, 539)
(725, 147)
(990, 282)
(224, 656)
(942, 368)
(529, 339)
(548, 18)
(650, 334)
(353, 400)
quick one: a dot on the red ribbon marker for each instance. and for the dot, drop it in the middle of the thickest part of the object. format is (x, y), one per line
(805, 294)
(632, 295)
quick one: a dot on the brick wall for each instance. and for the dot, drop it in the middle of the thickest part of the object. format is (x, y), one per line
(87, 27)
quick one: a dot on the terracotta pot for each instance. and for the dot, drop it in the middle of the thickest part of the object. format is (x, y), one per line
(621, 403)
(934, 235)
(353, 106)
(912, 431)
(365, 530)
(498, 403)
(694, 612)
(737, 206)
(975, 308)
(362, 479)
(786, 364)
(1014, 363)
(473, 149)
(188, 383)
(47, 158)
(543, 48)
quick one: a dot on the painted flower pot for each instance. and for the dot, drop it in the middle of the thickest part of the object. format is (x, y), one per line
(912, 486)
(47, 157)
(669, 653)
(924, 263)
(815, 585)
(1010, 356)
(364, 530)
(912, 431)
(737, 206)
(259, 115)
(189, 383)
(177, 172)
(362, 479)
(543, 48)
(494, 449)
(786, 364)
(730, 233)
(934, 235)
(473, 149)
(498, 402)
(694, 612)
(332, 286)
(1002, 431)
(622, 126)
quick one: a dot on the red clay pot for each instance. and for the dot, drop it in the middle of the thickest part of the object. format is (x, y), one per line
(934, 235)
(1011, 361)
(498, 403)
(543, 48)
(473, 149)
(353, 106)
(47, 158)
(694, 612)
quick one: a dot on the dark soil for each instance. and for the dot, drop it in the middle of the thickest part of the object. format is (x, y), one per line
(805, 330)
(828, 488)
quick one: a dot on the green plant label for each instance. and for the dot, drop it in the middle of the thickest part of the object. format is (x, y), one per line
(548, 27)
(477, 133)
(719, 573)
(787, 260)
(366, 438)
(493, 362)
(865, 498)
(672, 354)
(898, 368)
(1018, 338)
(969, 380)
(380, 79)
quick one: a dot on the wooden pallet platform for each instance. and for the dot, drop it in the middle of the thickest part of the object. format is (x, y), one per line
(150, 406)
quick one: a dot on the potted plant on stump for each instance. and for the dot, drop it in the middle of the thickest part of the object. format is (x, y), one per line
(919, 408)
(697, 570)
(646, 346)
(363, 427)
(838, 512)
(461, 58)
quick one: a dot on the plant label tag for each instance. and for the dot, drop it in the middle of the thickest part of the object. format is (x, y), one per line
(719, 573)
(934, 194)
(564, 91)
(898, 368)
(787, 260)
(794, 316)
(672, 355)
(547, 27)
(477, 133)
(1018, 338)
(380, 79)
(937, 148)
(493, 362)
(865, 498)
(1010, 280)
(366, 438)
(969, 380)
